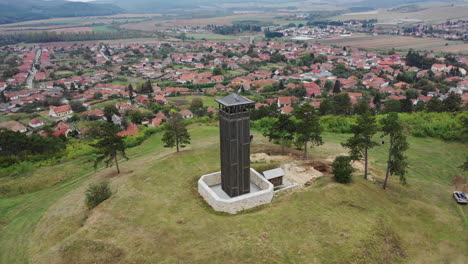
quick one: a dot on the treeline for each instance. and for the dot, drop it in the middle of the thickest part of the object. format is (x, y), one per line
(51, 36)
(235, 28)
(16, 147)
(447, 126)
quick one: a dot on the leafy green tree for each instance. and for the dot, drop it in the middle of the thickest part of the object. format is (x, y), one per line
(109, 145)
(97, 95)
(360, 143)
(97, 193)
(397, 161)
(392, 106)
(406, 105)
(361, 108)
(217, 71)
(435, 105)
(377, 100)
(176, 134)
(342, 104)
(308, 128)
(282, 131)
(452, 103)
(77, 106)
(342, 169)
(328, 85)
(326, 107)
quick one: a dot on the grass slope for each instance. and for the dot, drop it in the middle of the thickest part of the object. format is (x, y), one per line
(156, 215)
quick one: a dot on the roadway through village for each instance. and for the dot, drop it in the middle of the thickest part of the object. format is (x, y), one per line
(32, 73)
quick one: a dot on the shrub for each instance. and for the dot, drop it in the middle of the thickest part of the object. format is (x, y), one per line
(97, 193)
(342, 169)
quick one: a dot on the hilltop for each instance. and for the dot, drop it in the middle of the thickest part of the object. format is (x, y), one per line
(146, 220)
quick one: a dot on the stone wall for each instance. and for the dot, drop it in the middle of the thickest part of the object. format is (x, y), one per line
(239, 203)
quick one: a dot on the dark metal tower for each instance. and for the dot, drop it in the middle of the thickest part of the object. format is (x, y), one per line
(234, 125)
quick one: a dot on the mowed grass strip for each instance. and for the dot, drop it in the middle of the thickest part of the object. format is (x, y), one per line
(156, 214)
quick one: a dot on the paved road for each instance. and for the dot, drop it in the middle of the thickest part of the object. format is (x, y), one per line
(32, 74)
(103, 55)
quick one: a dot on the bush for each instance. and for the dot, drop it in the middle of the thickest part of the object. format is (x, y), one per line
(342, 169)
(97, 193)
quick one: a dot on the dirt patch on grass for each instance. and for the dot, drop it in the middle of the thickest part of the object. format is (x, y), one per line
(460, 184)
(181, 102)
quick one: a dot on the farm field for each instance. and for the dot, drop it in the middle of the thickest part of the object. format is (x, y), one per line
(403, 43)
(431, 13)
(156, 213)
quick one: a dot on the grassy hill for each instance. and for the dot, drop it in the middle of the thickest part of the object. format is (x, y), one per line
(156, 214)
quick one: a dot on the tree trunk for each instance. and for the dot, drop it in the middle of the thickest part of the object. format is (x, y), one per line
(177, 143)
(305, 150)
(388, 165)
(365, 164)
(117, 164)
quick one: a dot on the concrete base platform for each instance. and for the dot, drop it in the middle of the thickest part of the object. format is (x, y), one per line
(261, 192)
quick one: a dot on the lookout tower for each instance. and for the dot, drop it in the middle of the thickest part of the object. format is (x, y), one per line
(234, 125)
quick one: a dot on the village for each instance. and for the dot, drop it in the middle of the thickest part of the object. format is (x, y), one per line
(69, 83)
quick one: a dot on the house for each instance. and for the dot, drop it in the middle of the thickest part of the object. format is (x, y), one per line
(186, 114)
(60, 111)
(287, 109)
(143, 100)
(438, 67)
(284, 101)
(132, 129)
(160, 99)
(156, 122)
(36, 123)
(18, 127)
(123, 106)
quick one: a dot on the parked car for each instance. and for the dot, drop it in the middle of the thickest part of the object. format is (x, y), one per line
(460, 197)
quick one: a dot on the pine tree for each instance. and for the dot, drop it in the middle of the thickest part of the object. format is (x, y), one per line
(109, 146)
(130, 93)
(397, 161)
(360, 143)
(308, 128)
(337, 87)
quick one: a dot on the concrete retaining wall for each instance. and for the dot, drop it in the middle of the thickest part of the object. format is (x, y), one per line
(239, 203)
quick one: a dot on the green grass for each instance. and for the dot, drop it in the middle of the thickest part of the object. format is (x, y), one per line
(207, 100)
(156, 214)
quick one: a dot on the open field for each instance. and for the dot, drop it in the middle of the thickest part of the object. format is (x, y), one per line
(186, 100)
(386, 42)
(155, 212)
(432, 13)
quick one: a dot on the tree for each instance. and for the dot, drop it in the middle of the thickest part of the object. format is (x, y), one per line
(217, 71)
(342, 169)
(435, 105)
(342, 104)
(392, 106)
(77, 106)
(377, 100)
(328, 85)
(97, 95)
(397, 161)
(337, 87)
(146, 87)
(361, 108)
(326, 107)
(97, 193)
(130, 93)
(109, 111)
(176, 134)
(464, 167)
(109, 146)
(360, 143)
(282, 130)
(308, 127)
(452, 103)
(406, 105)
